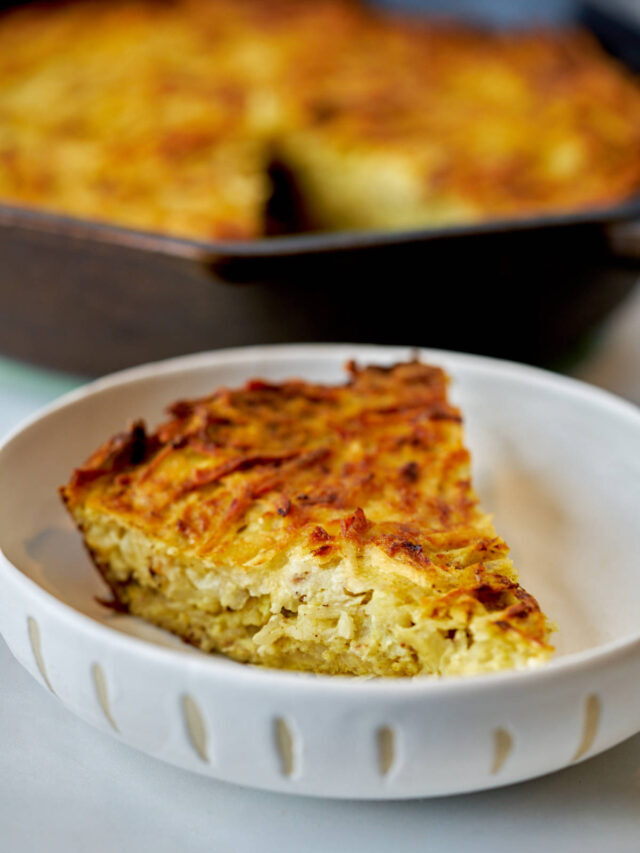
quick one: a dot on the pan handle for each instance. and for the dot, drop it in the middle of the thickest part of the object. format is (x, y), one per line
(624, 240)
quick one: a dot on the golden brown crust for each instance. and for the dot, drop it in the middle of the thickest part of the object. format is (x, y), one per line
(167, 114)
(377, 464)
(492, 124)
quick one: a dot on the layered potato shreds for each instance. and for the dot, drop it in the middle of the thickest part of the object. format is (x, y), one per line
(325, 528)
(166, 116)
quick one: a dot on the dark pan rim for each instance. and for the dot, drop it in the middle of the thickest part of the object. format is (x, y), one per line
(43, 221)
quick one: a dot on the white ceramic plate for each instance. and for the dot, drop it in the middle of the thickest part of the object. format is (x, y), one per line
(557, 462)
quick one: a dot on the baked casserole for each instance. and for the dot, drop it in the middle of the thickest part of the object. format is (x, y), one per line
(303, 526)
(167, 116)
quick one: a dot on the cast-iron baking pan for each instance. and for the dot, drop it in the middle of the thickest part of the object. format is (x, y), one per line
(91, 297)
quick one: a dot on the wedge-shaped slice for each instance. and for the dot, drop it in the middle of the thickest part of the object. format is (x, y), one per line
(303, 526)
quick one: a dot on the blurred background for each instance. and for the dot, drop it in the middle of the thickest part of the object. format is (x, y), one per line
(80, 298)
(502, 13)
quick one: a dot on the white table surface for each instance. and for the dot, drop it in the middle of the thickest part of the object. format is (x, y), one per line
(65, 787)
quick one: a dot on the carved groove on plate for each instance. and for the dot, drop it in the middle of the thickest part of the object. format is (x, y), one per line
(100, 683)
(285, 746)
(196, 729)
(36, 648)
(592, 713)
(386, 749)
(502, 746)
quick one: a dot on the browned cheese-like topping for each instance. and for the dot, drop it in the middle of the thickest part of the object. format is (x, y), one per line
(377, 461)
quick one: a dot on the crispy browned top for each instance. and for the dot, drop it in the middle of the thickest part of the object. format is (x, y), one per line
(164, 115)
(495, 123)
(244, 477)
